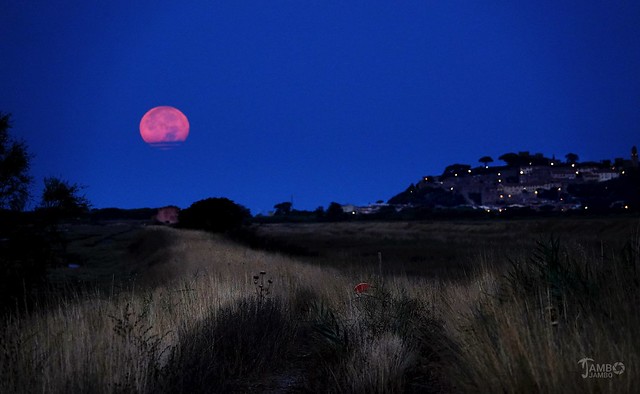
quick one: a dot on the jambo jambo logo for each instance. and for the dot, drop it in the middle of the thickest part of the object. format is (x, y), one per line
(594, 370)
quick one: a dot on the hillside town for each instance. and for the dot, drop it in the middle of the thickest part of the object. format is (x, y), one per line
(527, 180)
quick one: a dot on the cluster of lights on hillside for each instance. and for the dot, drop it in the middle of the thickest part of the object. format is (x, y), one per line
(500, 210)
(493, 178)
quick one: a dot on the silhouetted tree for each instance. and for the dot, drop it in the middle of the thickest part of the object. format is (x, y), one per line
(485, 160)
(14, 168)
(214, 214)
(284, 208)
(618, 162)
(454, 169)
(335, 212)
(571, 158)
(319, 212)
(62, 199)
(512, 159)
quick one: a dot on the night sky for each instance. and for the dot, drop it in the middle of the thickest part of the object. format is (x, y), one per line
(346, 101)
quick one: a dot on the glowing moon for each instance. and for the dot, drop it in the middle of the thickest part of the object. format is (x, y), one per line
(164, 127)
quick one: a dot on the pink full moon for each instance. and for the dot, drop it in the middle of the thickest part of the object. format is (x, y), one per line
(164, 127)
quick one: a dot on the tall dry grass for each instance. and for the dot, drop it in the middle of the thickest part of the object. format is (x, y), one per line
(133, 340)
(526, 328)
(197, 321)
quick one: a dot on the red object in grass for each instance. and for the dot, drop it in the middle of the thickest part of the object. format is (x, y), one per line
(361, 287)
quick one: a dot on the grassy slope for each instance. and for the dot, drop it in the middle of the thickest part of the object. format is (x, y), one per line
(102, 252)
(441, 248)
(196, 315)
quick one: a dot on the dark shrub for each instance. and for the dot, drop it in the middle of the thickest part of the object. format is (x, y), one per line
(217, 215)
(335, 213)
(225, 349)
(24, 258)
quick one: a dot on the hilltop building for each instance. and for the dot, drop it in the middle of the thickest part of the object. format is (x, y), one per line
(167, 215)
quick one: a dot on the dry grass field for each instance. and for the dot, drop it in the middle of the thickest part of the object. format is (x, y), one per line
(443, 248)
(504, 306)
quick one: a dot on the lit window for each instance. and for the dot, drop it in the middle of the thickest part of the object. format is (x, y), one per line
(498, 174)
(573, 165)
(469, 171)
(451, 188)
(626, 207)
(501, 196)
(551, 163)
(509, 196)
(521, 172)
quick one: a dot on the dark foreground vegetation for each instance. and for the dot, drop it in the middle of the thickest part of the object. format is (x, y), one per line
(454, 306)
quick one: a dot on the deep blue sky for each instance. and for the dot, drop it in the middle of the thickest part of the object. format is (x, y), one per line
(346, 101)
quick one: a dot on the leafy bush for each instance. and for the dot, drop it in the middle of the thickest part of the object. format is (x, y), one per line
(335, 213)
(216, 215)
